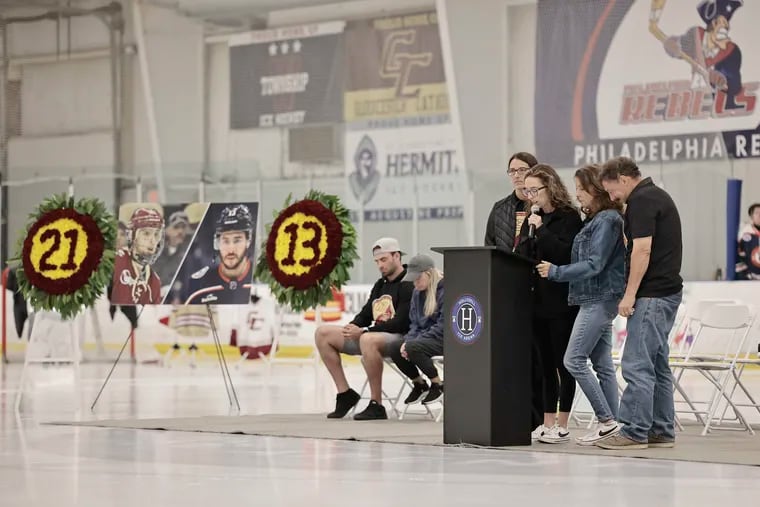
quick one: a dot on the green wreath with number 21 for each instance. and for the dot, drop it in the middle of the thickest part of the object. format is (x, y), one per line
(65, 257)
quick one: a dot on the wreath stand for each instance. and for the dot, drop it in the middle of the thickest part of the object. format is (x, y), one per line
(226, 377)
(37, 344)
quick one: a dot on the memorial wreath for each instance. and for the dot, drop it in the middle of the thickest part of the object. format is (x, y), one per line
(310, 247)
(65, 256)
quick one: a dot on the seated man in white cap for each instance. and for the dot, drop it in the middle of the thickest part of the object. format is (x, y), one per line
(375, 332)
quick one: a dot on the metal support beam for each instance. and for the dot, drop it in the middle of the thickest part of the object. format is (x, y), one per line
(150, 107)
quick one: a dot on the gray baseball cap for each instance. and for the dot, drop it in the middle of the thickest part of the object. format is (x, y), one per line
(418, 265)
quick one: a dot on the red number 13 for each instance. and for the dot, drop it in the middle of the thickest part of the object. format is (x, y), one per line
(312, 244)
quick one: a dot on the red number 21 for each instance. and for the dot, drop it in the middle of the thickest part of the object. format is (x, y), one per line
(54, 234)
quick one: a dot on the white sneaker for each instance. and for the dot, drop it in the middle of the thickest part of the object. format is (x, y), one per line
(555, 435)
(600, 432)
(538, 432)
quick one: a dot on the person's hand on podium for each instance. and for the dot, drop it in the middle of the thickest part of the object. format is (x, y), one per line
(543, 269)
(352, 331)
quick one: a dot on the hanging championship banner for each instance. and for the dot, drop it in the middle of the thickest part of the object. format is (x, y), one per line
(687, 92)
(287, 76)
(389, 172)
(395, 75)
(197, 253)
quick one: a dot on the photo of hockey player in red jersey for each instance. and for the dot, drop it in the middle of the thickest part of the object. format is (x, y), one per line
(134, 280)
(222, 274)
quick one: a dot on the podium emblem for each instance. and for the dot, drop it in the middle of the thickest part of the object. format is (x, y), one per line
(467, 319)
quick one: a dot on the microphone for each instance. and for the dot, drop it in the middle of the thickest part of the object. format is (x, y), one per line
(532, 228)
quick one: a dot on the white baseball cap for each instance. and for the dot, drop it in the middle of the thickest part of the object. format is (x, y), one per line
(386, 245)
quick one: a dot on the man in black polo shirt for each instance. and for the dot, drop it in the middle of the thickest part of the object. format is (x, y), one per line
(652, 296)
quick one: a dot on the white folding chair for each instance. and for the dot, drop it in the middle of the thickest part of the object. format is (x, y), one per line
(393, 400)
(732, 322)
(691, 322)
(682, 343)
(742, 362)
(438, 362)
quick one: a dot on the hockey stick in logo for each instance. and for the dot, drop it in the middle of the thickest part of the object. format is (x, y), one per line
(654, 29)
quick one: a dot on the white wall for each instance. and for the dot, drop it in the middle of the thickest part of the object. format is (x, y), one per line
(65, 112)
(80, 101)
(175, 51)
(522, 77)
(478, 77)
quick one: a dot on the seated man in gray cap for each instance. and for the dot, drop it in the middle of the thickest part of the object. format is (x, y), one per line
(376, 331)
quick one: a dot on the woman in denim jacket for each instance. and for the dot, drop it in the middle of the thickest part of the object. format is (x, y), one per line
(597, 283)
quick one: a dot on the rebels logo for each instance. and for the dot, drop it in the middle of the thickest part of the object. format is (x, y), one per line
(467, 319)
(678, 101)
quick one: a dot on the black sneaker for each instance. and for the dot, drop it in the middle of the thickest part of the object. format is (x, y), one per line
(434, 394)
(373, 411)
(343, 403)
(418, 392)
(192, 347)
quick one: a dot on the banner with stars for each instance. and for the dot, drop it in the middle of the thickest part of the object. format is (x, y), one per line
(287, 76)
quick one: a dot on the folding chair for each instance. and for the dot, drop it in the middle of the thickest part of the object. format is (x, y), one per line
(393, 400)
(682, 343)
(691, 315)
(741, 363)
(438, 363)
(734, 322)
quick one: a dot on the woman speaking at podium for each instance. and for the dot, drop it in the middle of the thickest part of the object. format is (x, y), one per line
(547, 234)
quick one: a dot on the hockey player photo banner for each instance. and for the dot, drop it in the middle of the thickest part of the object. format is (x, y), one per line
(195, 253)
(654, 80)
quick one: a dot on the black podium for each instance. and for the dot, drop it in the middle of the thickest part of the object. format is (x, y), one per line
(487, 346)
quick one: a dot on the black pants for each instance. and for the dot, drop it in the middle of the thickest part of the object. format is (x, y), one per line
(420, 351)
(552, 337)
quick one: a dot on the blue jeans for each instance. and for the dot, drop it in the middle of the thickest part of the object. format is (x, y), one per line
(646, 407)
(592, 339)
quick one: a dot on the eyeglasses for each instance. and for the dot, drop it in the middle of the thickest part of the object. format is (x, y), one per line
(521, 170)
(533, 192)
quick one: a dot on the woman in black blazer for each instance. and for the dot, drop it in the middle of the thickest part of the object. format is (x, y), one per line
(555, 226)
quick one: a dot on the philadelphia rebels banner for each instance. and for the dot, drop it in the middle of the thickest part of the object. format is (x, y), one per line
(655, 80)
(287, 76)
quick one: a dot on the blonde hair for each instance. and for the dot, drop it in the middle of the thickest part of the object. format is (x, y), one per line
(431, 304)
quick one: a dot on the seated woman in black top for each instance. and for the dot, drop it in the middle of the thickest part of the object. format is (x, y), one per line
(555, 225)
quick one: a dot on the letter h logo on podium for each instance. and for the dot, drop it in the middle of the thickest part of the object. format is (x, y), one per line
(467, 319)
